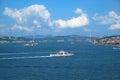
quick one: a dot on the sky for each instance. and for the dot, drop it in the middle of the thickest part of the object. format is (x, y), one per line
(59, 17)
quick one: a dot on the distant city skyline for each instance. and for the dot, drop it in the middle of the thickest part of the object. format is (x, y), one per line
(60, 17)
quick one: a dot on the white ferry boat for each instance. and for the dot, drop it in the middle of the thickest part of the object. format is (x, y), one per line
(61, 53)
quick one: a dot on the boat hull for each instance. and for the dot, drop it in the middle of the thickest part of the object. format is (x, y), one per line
(58, 55)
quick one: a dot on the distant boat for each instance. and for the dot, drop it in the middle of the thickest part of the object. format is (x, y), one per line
(61, 53)
(30, 44)
(116, 47)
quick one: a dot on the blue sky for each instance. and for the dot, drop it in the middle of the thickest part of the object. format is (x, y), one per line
(60, 17)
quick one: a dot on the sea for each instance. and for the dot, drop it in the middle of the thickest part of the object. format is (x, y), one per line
(89, 62)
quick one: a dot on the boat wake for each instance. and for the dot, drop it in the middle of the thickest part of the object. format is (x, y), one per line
(23, 53)
(15, 55)
(24, 57)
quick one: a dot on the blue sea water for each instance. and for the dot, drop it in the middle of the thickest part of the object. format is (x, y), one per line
(89, 62)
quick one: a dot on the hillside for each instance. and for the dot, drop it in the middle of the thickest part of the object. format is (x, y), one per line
(70, 38)
(8, 39)
(109, 40)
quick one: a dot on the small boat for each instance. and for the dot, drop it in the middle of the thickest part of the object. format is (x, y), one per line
(61, 53)
(30, 44)
(118, 47)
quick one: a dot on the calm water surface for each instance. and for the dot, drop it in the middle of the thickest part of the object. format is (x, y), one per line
(90, 62)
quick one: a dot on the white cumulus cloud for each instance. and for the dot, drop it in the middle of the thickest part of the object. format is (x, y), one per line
(19, 27)
(22, 15)
(112, 19)
(37, 16)
(114, 26)
(30, 16)
(78, 11)
(37, 23)
(74, 22)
